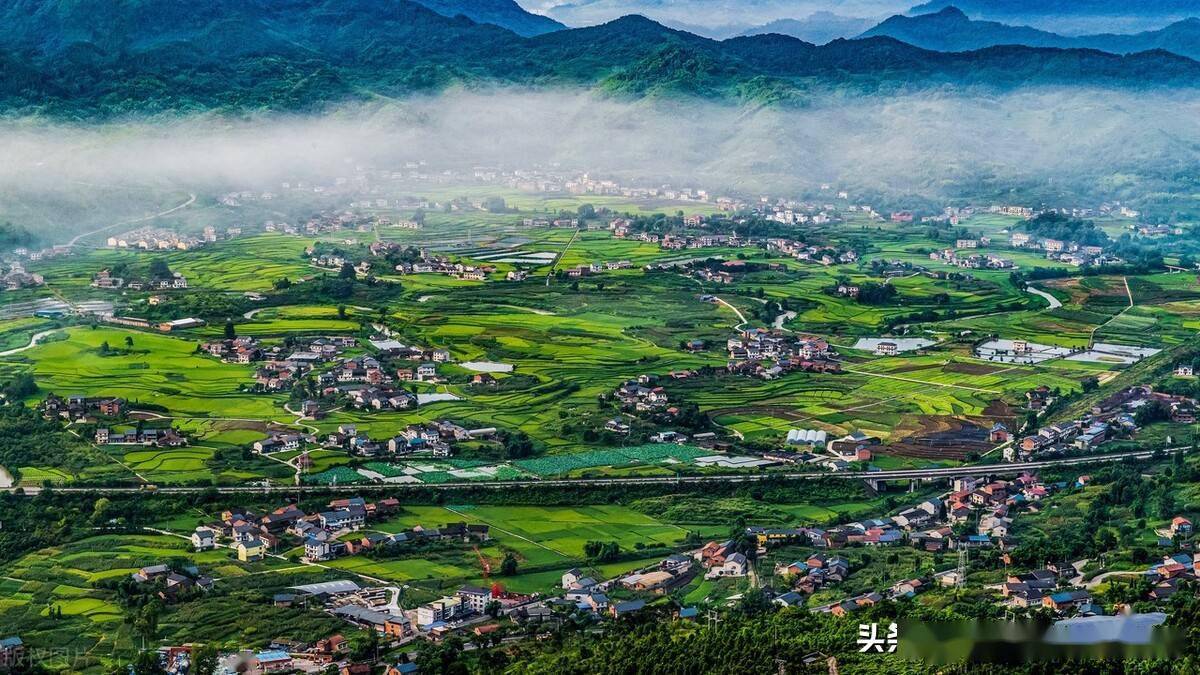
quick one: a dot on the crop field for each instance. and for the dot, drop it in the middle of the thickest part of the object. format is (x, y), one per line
(546, 541)
(573, 341)
(157, 369)
(69, 579)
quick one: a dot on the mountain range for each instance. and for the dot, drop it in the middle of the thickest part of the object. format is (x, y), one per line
(817, 28)
(951, 30)
(504, 13)
(84, 58)
(1074, 17)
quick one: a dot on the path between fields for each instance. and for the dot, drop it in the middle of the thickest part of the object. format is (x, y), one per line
(561, 254)
(916, 381)
(511, 534)
(1129, 294)
(735, 311)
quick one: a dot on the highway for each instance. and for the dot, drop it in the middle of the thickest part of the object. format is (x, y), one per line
(896, 474)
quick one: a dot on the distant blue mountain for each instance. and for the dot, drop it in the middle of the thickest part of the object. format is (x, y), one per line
(818, 28)
(950, 30)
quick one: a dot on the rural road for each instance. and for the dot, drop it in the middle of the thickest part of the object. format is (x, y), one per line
(896, 474)
(1055, 303)
(737, 311)
(191, 200)
(33, 341)
(1101, 578)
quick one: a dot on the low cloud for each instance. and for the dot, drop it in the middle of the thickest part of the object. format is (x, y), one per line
(1078, 143)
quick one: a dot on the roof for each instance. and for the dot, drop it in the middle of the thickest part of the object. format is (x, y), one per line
(273, 655)
(363, 615)
(340, 586)
(688, 612)
(629, 606)
(10, 642)
(1131, 629)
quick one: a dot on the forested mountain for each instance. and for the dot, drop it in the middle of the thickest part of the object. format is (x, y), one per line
(82, 58)
(951, 30)
(504, 13)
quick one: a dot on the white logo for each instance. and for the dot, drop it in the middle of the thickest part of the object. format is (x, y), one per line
(869, 640)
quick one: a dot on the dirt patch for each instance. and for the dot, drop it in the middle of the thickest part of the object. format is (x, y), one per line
(940, 437)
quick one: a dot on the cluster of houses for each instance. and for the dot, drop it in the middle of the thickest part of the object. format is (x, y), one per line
(326, 222)
(589, 269)
(301, 352)
(432, 264)
(989, 261)
(1067, 252)
(822, 255)
(17, 278)
(320, 543)
(785, 352)
(154, 239)
(172, 582)
(928, 525)
(813, 573)
(437, 438)
(105, 280)
(642, 395)
(253, 535)
(1112, 417)
(82, 409)
(166, 437)
(1045, 587)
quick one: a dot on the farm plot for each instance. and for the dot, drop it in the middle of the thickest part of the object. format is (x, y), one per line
(157, 369)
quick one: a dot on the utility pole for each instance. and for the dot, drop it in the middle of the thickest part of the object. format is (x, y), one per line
(962, 565)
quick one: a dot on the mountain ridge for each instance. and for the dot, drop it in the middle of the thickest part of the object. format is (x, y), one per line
(90, 58)
(950, 29)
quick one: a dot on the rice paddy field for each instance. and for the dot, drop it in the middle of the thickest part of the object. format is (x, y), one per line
(572, 342)
(546, 540)
(72, 579)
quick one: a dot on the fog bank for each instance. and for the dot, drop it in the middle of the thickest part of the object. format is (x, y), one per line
(1068, 141)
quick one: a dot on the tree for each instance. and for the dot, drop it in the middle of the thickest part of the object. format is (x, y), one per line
(146, 663)
(347, 271)
(282, 284)
(104, 348)
(159, 269)
(508, 566)
(129, 342)
(230, 331)
(204, 661)
(22, 386)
